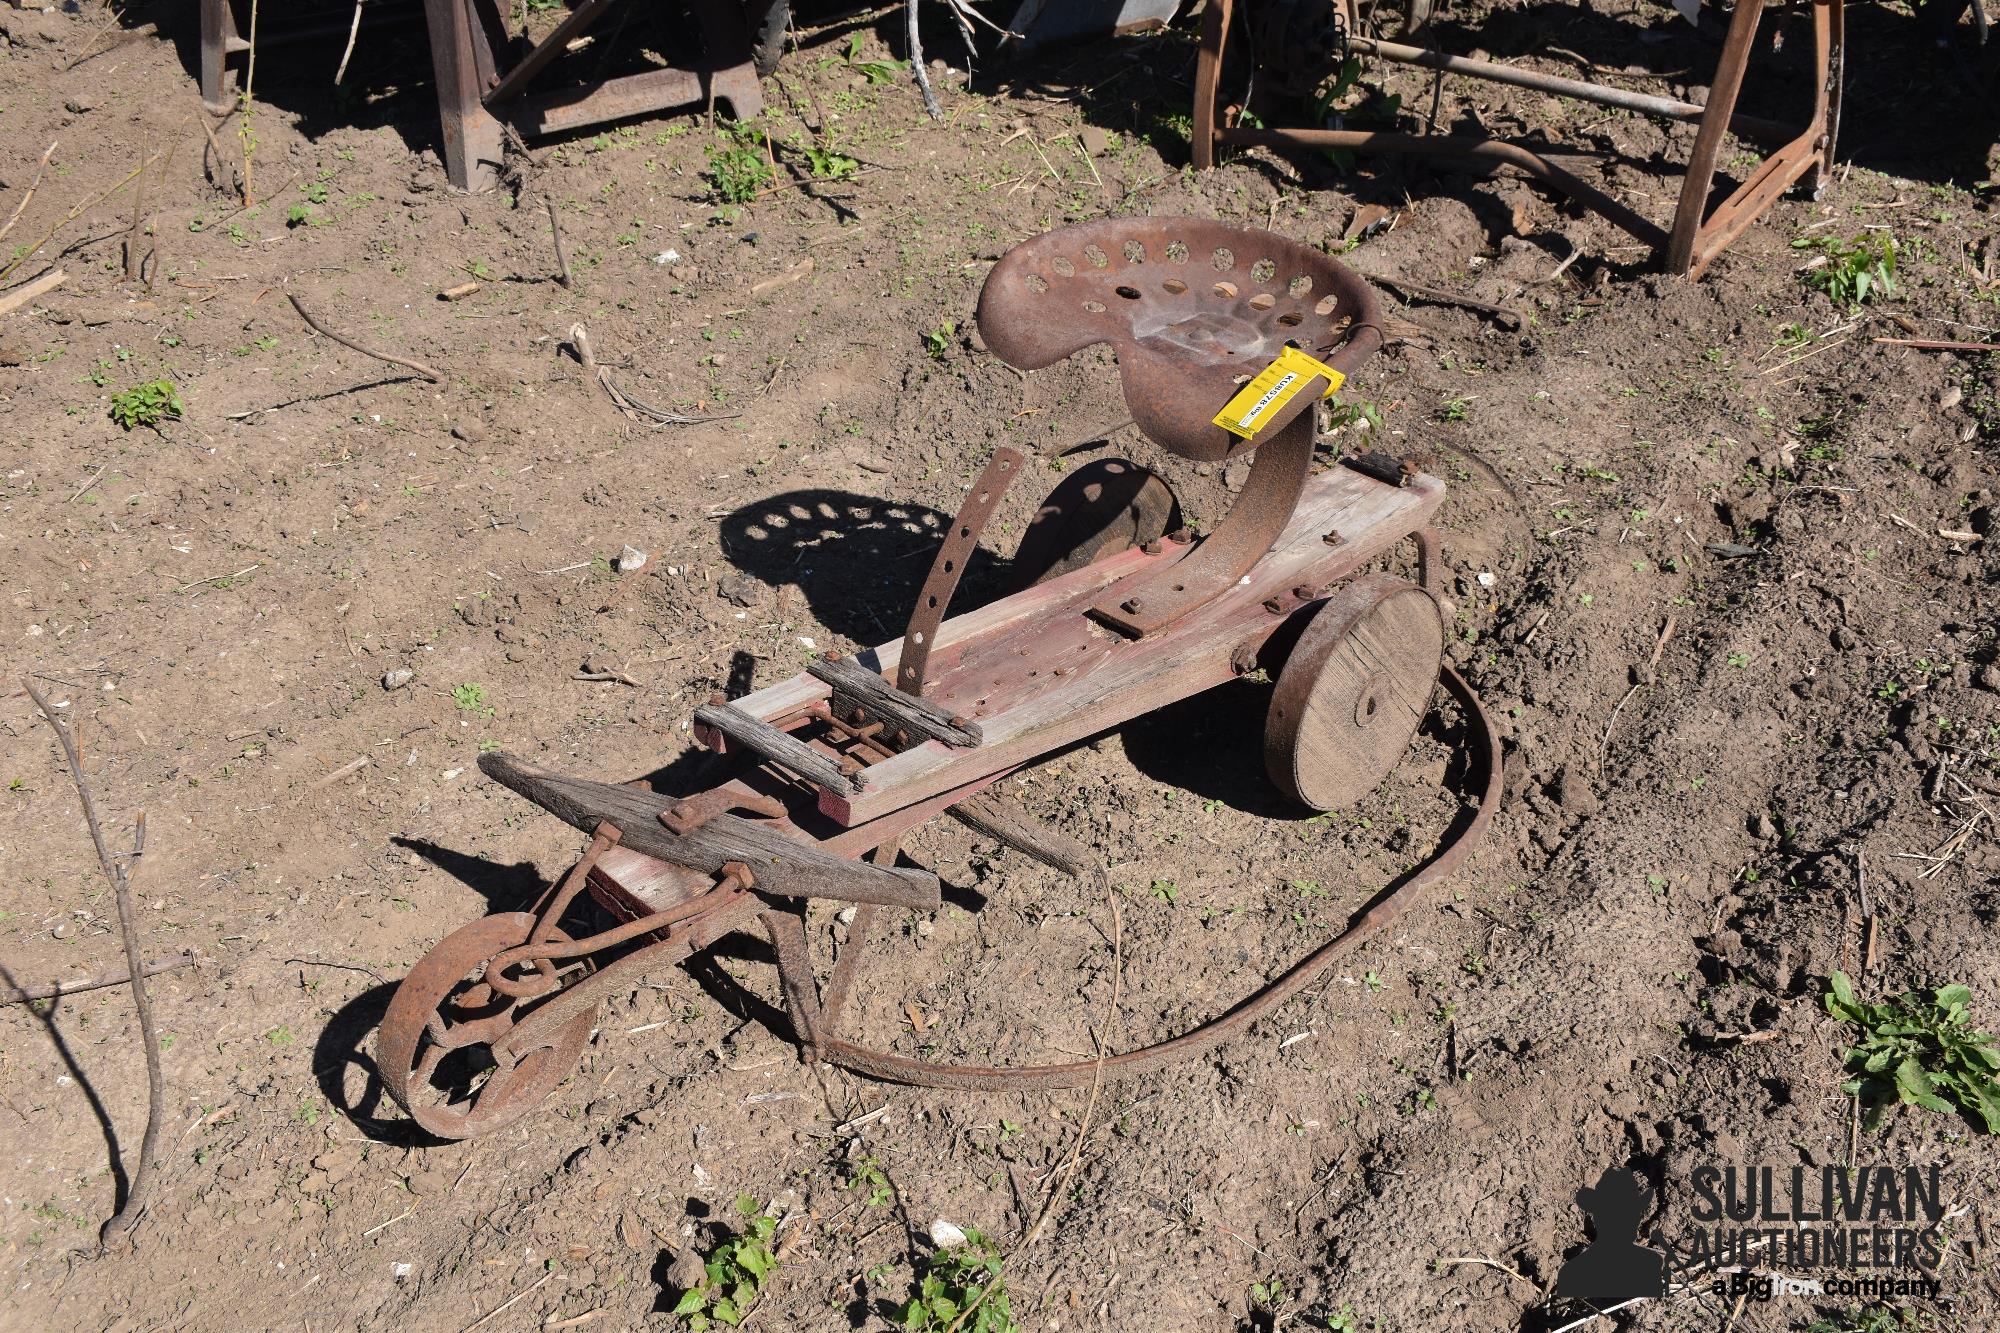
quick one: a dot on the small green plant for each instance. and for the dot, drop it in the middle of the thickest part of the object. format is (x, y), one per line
(875, 71)
(1345, 412)
(938, 341)
(1873, 1319)
(1920, 1049)
(867, 1174)
(1166, 892)
(962, 1289)
(471, 698)
(1457, 408)
(733, 1276)
(737, 168)
(146, 404)
(827, 165)
(1856, 271)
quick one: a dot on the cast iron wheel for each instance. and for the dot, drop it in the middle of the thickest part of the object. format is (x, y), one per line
(434, 1049)
(1097, 511)
(1353, 690)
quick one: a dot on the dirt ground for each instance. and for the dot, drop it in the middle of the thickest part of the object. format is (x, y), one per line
(1698, 567)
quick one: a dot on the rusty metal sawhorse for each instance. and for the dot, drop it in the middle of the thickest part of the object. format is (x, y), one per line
(1699, 233)
(477, 92)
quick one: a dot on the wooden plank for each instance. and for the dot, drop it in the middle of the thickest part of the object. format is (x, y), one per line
(572, 27)
(714, 722)
(783, 864)
(787, 697)
(29, 291)
(920, 717)
(997, 817)
(1109, 679)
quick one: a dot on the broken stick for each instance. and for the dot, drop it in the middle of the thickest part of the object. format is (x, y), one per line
(419, 367)
(128, 927)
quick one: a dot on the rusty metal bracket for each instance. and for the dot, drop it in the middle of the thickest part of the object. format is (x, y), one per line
(949, 566)
(1148, 602)
(691, 812)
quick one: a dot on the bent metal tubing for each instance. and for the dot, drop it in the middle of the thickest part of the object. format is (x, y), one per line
(1496, 151)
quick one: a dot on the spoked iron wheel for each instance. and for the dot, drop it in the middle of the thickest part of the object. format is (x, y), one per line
(1102, 508)
(1353, 691)
(435, 1049)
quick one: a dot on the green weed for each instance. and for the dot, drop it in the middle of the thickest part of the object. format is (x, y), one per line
(1856, 271)
(733, 1275)
(1919, 1049)
(146, 404)
(963, 1290)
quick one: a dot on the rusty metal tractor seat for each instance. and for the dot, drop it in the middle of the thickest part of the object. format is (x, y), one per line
(1193, 309)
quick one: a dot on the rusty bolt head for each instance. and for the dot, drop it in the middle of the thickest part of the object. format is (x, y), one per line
(1305, 592)
(1181, 536)
(1275, 605)
(1132, 604)
(957, 721)
(1334, 539)
(1152, 547)
(718, 698)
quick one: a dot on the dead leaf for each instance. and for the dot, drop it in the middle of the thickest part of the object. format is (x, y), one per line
(802, 269)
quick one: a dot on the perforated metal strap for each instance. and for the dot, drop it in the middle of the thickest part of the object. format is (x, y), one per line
(914, 662)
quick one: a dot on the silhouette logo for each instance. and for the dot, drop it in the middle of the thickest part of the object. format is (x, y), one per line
(1614, 1266)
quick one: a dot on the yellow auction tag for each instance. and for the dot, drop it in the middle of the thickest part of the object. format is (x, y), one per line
(1257, 402)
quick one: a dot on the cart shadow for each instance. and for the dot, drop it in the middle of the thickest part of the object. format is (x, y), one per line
(858, 560)
(506, 888)
(1211, 746)
(344, 1050)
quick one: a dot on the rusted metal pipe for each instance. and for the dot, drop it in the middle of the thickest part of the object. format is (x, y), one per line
(1498, 152)
(1750, 127)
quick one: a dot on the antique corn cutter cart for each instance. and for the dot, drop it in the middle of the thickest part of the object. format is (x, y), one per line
(1118, 612)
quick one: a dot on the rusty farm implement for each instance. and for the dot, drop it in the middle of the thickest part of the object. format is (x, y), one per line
(1114, 616)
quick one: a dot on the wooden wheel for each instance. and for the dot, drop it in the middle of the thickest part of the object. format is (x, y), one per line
(1098, 510)
(1351, 694)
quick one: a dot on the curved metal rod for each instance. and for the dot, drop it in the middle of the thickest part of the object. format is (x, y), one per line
(1385, 908)
(1498, 151)
(1145, 602)
(543, 953)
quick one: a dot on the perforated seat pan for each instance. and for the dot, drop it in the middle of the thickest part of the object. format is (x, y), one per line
(1191, 307)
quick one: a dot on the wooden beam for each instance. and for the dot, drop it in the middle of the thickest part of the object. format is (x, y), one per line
(855, 685)
(716, 722)
(786, 865)
(997, 817)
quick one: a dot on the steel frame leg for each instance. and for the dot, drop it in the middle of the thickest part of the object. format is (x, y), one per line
(1699, 235)
(470, 132)
(218, 81)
